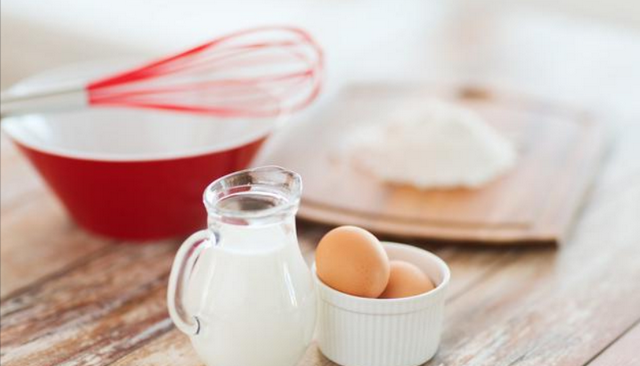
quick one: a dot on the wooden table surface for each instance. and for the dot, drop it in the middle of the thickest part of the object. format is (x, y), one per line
(70, 298)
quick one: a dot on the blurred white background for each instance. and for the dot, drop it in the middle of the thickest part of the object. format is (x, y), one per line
(576, 49)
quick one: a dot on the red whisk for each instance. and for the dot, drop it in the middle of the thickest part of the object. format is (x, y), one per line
(259, 72)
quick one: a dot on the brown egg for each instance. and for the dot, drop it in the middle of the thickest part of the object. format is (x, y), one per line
(352, 260)
(406, 280)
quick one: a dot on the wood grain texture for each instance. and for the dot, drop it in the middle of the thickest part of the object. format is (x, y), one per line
(560, 150)
(624, 352)
(91, 314)
(112, 304)
(542, 309)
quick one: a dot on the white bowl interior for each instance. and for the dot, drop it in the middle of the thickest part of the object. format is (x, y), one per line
(130, 134)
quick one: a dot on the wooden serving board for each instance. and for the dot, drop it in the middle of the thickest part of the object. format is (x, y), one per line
(559, 152)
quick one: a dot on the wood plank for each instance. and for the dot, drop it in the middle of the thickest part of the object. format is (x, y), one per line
(467, 267)
(95, 313)
(623, 352)
(92, 314)
(171, 349)
(38, 239)
(542, 308)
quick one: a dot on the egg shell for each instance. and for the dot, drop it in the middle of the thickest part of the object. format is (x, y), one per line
(352, 260)
(406, 280)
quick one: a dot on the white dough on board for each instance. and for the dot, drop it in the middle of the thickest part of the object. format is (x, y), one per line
(431, 144)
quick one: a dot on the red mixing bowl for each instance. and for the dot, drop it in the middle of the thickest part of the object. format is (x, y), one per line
(133, 174)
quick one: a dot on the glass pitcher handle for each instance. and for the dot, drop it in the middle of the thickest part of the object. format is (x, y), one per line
(181, 270)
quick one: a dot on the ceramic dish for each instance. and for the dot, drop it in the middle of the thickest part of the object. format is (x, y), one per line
(355, 331)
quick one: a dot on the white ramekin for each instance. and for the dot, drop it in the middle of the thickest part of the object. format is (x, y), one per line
(357, 331)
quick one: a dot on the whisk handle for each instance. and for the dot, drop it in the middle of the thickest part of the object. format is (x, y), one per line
(43, 101)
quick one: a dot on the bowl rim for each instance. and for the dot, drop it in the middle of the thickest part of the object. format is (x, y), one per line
(8, 126)
(444, 268)
(81, 72)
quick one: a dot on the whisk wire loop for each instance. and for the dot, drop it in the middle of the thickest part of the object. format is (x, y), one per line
(258, 72)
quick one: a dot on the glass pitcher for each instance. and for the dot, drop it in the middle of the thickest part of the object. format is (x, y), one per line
(241, 289)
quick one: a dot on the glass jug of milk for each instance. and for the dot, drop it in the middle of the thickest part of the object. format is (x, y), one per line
(241, 289)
